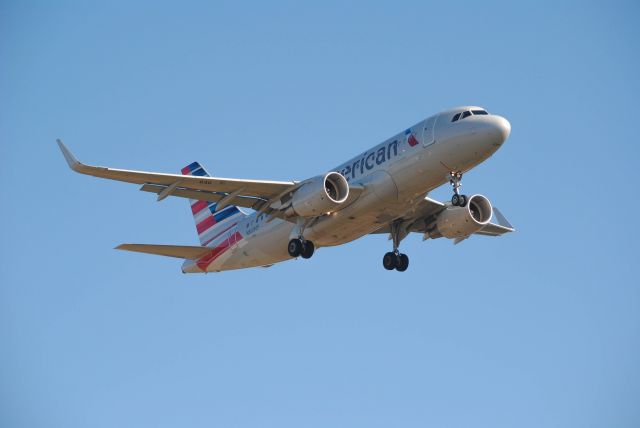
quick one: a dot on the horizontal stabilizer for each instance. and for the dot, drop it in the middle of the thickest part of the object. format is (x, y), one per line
(189, 252)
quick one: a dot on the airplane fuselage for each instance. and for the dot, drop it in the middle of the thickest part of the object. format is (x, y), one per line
(396, 175)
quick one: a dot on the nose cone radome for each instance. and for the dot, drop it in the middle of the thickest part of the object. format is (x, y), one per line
(500, 128)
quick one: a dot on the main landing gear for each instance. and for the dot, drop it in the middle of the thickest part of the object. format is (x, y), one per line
(395, 259)
(298, 246)
(458, 200)
(301, 247)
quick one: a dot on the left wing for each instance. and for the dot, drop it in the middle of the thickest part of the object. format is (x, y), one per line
(256, 194)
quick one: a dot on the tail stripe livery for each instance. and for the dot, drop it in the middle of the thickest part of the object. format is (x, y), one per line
(204, 262)
(194, 169)
(198, 206)
(209, 222)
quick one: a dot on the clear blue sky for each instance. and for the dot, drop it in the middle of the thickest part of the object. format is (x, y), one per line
(537, 329)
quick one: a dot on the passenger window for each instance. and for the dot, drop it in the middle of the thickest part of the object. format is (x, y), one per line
(466, 114)
(480, 112)
(456, 117)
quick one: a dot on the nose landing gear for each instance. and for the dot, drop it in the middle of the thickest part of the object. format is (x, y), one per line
(395, 259)
(455, 179)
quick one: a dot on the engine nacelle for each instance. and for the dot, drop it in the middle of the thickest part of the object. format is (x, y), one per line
(458, 222)
(322, 194)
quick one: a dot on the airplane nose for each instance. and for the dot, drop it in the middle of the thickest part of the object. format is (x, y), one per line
(501, 128)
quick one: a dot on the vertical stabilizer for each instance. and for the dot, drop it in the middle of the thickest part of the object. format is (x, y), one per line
(210, 223)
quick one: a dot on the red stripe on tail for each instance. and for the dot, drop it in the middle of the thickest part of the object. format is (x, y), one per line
(199, 206)
(205, 224)
(204, 262)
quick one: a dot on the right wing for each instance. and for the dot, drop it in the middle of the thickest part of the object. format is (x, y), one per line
(256, 194)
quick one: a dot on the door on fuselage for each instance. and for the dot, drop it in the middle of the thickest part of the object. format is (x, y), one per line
(428, 132)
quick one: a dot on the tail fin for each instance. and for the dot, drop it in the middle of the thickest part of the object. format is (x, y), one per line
(209, 222)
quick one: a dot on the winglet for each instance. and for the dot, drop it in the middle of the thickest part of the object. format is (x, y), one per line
(74, 164)
(502, 221)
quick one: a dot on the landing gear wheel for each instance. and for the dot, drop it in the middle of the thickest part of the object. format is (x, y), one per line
(389, 261)
(307, 249)
(402, 262)
(295, 247)
(459, 200)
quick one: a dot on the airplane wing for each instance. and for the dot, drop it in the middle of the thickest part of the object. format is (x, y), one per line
(255, 194)
(419, 217)
(423, 215)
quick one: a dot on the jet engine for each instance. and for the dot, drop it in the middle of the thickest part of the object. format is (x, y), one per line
(458, 222)
(320, 195)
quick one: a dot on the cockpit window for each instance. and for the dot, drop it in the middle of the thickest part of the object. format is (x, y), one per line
(466, 114)
(456, 117)
(480, 112)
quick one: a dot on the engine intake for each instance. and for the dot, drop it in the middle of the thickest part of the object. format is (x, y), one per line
(458, 222)
(322, 194)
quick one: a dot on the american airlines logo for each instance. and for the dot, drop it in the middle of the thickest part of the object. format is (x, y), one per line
(412, 140)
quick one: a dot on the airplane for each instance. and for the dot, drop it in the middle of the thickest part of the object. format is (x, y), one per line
(382, 190)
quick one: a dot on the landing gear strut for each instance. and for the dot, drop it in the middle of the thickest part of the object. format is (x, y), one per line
(395, 259)
(458, 200)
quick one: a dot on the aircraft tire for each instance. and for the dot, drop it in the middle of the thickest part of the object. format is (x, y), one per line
(295, 247)
(455, 200)
(389, 261)
(307, 250)
(402, 263)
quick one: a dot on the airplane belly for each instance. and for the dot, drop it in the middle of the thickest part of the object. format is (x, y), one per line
(375, 207)
(268, 245)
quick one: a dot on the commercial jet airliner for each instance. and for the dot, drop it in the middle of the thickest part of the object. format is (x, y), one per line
(382, 190)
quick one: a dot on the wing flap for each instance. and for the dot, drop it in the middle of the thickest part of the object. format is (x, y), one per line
(417, 218)
(201, 195)
(189, 252)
